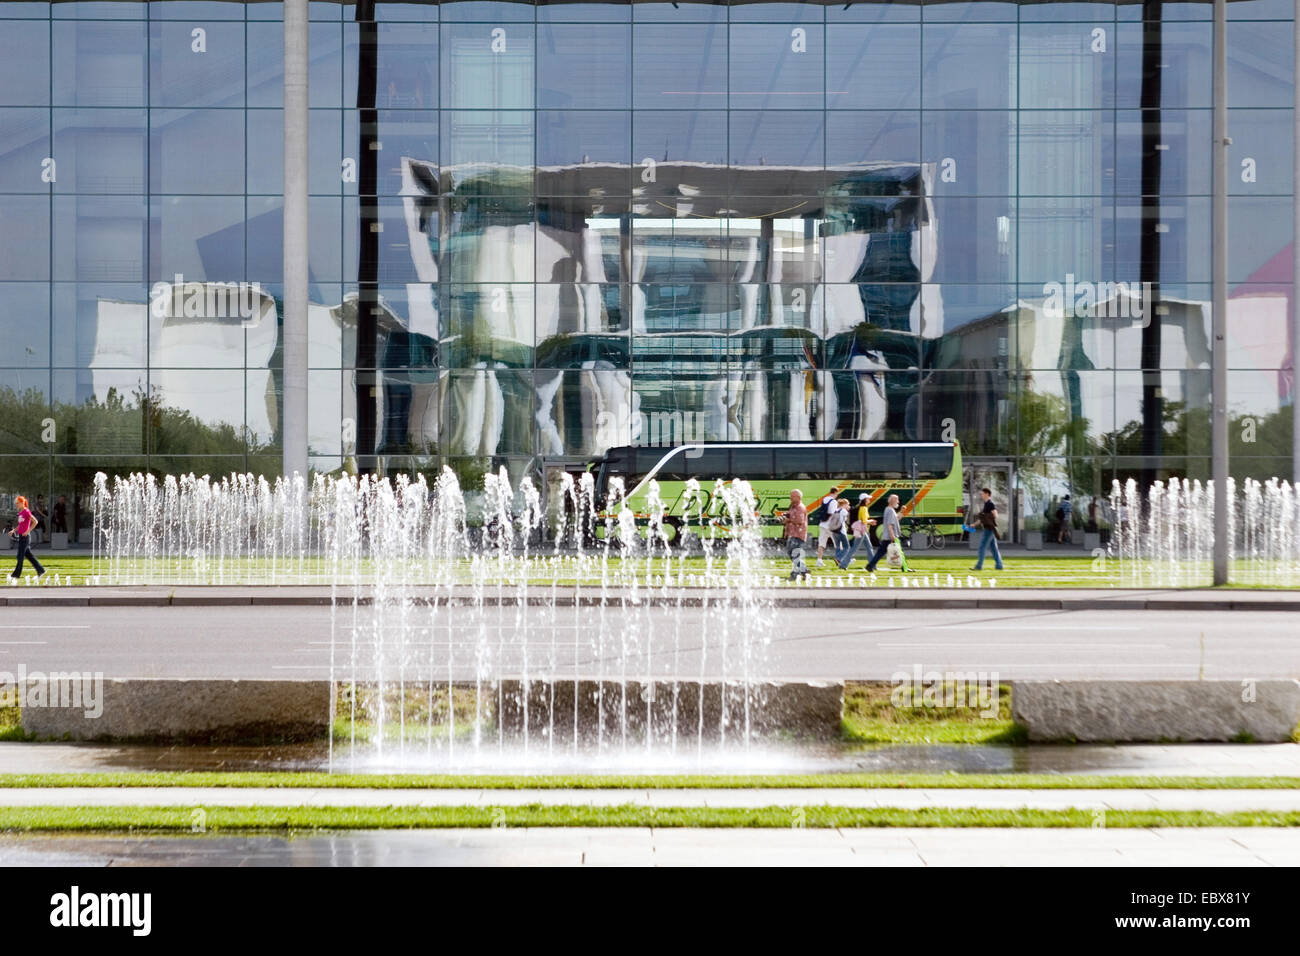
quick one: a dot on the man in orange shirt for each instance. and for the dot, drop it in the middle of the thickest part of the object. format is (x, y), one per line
(795, 521)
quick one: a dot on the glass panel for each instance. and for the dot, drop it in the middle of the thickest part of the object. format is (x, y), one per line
(265, 160)
(25, 135)
(777, 66)
(196, 151)
(486, 152)
(1176, 71)
(1261, 65)
(206, 69)
(25, 63)
(99, 411)
(584, 412)
(25, 324)
(876, 67)
(973, 151)
(1182, 228)
(777, 153)
(583, 66)
(1067, 66)
(487, 412)
(100, 239)
(198, 237)
(1260, 159)
(488, 326)
(195, 412)
(886, 145)
(487, 67)
(1261, 239)
(679, 66)
(101, 151)
(583, 153)
(968, 66)
(100, 324)
(100, 64)
(975, 240)
(1065, 236)
(1175, 156)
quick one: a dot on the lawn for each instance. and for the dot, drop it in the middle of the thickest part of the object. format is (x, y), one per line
(188, 820)
(411, 781)
(949, 568)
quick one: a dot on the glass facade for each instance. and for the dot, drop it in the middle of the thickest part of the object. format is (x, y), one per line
(540, 230)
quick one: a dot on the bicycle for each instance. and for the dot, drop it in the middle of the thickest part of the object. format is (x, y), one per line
(938, 540)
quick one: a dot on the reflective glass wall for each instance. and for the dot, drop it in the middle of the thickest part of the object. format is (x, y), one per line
(539, 230)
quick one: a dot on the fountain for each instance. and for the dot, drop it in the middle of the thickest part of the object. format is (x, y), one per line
(465, 640)
(1165, 537)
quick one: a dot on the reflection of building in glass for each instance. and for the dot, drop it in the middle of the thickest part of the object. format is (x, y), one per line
(645, 223)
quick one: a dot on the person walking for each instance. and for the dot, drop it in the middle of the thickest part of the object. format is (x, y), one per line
(829, 506)
(60, 525)
(988, 522)
(1065, 514)
(891, 533)
(795, 522)
(861, 528)
(22, 531)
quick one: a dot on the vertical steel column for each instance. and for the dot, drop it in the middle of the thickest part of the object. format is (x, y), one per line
(1295, 262)
(293, 432)
(1218, 352)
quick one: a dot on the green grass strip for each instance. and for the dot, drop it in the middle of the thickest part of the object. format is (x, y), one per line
(282, 819)
(894, 781)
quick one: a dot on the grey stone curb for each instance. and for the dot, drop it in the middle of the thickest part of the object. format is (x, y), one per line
(814, 599)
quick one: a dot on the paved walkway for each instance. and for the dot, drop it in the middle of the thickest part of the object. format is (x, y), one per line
(671, 847)
(1209, 760)
(909, 799)
(822, 592)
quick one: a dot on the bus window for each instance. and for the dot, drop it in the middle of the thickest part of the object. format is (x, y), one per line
(845, 462)
(799, 464)
(752, 464)
(888, 463)
(933, 462)
(708, 464)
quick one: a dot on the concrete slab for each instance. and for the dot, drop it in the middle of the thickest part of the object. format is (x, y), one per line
(1150, 711)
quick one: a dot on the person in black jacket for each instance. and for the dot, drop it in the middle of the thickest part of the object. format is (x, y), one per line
(988, 522)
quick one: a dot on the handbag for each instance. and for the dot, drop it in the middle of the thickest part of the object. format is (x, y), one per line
(894, 556)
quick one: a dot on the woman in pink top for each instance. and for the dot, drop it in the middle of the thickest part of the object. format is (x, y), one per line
(22, 532)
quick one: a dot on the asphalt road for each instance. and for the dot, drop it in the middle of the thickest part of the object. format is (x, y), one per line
(809, 643)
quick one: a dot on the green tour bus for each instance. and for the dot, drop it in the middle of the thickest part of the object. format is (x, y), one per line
(926, 476)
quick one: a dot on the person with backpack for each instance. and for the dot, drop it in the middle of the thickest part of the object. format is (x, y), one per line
(988, 523)
(836, 525)
(829, 506)
(1064, 518)
(863, 529)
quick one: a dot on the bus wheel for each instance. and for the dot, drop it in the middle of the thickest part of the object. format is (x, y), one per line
(673, 530)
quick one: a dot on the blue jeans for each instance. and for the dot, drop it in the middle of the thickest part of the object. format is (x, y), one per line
(25, 551)
(847, 558)
(840, 542)
(881, 550)
(989, 539)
